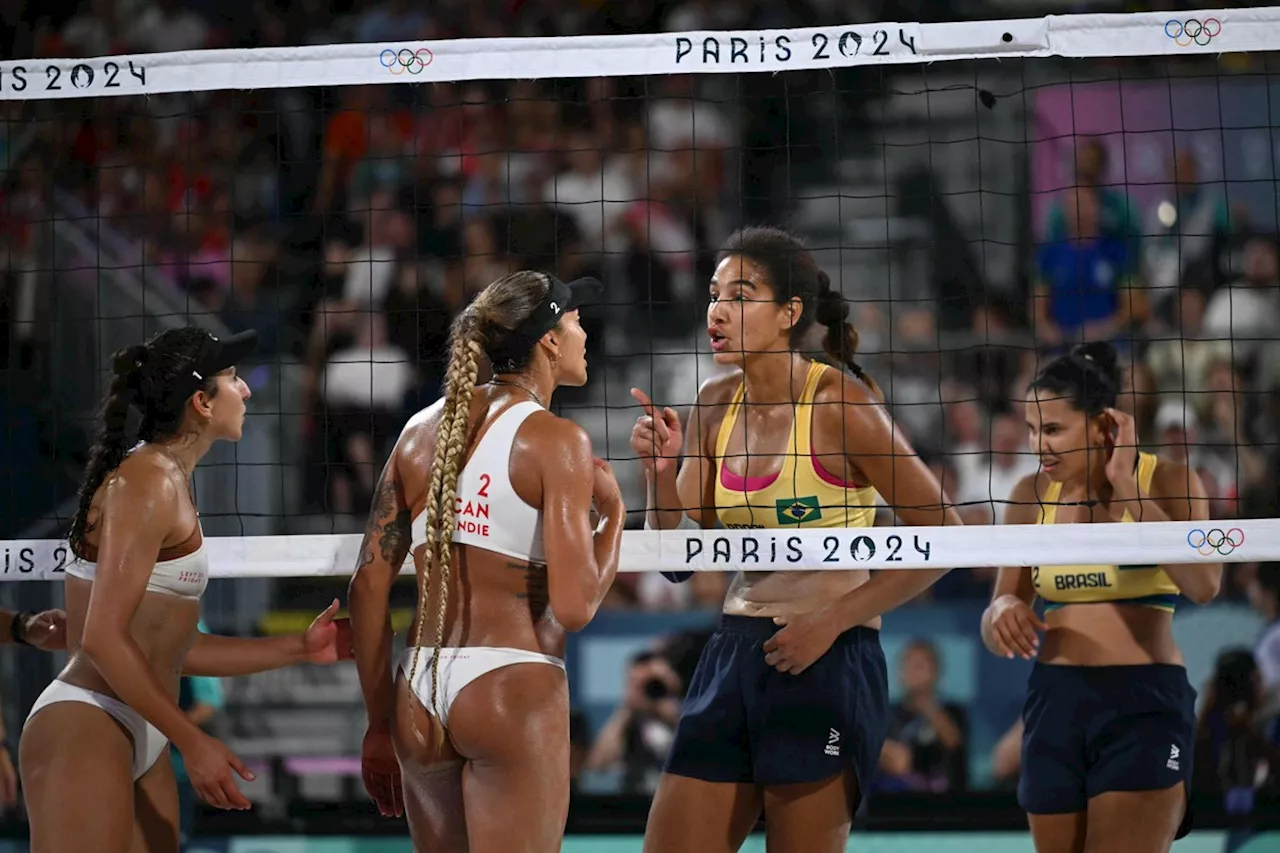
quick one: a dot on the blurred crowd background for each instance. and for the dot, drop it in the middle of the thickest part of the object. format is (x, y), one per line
(979, 216)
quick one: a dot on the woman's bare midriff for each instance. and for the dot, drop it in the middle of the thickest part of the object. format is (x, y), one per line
(495, 601)
(1109, 635)
(772, 594)
(164, 627)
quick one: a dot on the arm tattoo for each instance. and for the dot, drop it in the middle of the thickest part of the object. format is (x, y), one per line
(389, 526)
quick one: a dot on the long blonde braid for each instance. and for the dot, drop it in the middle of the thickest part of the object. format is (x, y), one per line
(451, 444)
(497, 310)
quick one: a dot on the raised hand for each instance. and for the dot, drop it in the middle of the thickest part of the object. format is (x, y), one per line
(657, 437)
(1122, 466)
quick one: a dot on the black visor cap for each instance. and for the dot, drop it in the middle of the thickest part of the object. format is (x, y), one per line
(560, 299)
(222, 353)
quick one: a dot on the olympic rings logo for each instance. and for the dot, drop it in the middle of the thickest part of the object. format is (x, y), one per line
(404, 59)
(1191, 31)
(1215, 541)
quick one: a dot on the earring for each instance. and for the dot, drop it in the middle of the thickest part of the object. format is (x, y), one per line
(555, 360)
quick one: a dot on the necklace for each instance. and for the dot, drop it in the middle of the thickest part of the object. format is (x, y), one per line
(176, 461)
(525, 388)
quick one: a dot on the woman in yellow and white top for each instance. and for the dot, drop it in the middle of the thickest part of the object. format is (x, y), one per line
(1109, 720)
(789, 722)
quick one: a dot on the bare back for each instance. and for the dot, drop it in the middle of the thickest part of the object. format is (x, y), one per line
(163, 626)
(494, 600)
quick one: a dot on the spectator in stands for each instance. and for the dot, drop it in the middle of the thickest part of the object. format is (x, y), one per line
(1228, 446)
(252, 301)
(1264, 595)
(161, 26)
(638, 735)
(365, 387)
(1116, 216)
(387, 233)
(1246, 313)
(1006, 758)
(1235, 758)
(418, 324)
(385, 166)
(1182, 228)
(595, 191)
(1178, 433)
(1180, 358)
(1083, 292)
(926, 747)
(392, 20)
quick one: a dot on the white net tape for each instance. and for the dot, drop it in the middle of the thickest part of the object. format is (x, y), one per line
(1143, 34)
(1242, 540)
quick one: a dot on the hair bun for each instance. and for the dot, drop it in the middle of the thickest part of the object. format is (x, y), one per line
(1102, 357)
(127, 361)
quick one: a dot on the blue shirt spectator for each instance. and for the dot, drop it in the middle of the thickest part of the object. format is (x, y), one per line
(1081, 281)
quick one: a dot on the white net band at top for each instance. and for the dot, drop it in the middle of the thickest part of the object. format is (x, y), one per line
(1146, 544)
(1212, 31)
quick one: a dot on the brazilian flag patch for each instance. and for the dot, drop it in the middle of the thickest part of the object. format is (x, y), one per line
(798, 510)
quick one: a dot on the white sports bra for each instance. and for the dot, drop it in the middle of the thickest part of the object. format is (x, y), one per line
(490, 515)
(183, 576)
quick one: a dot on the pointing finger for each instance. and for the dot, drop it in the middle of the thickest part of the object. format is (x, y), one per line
(643, 399)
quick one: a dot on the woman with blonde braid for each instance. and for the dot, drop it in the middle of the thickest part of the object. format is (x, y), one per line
(492, 494)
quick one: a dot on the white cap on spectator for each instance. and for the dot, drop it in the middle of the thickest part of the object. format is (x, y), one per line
(1176, 414)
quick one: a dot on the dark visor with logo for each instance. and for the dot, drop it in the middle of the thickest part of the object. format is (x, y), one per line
(560, 299)
(217, 354)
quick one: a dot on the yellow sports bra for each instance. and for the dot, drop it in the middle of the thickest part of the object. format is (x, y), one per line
(802, 493)
(1147, 586)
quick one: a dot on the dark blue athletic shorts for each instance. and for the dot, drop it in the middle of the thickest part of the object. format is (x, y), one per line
(1094, 729)
(744, 721)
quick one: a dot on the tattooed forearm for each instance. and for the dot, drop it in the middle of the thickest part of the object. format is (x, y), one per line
(395, 537)
(388, 527)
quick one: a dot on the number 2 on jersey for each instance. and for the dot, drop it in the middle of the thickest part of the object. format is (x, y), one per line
(484, 486)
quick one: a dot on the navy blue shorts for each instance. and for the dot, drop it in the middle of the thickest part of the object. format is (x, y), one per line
(1094, 729)
(743, 721)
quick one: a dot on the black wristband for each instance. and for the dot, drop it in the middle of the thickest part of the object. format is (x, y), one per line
(15, 627)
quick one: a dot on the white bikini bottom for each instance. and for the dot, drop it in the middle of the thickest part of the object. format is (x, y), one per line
(458, 668)
(148, 743)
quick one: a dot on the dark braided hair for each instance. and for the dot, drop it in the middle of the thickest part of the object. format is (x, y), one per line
(146, 400)
(794, 274)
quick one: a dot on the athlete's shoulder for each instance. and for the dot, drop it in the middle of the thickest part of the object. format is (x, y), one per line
(840, 386)
(421, 427)
(1172, 479)
(1023, 504)
(548, 432)
(146, 478)
(719, 390)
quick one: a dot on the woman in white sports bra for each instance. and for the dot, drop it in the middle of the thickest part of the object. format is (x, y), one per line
(492, 494)
(96, 740)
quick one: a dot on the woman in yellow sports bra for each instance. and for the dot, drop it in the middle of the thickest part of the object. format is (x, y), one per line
(1109, 720)
(789, 722)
